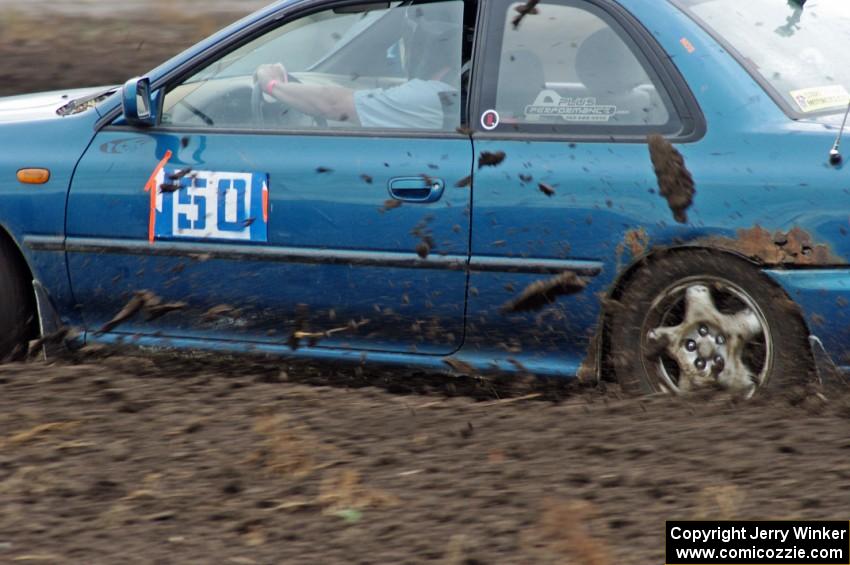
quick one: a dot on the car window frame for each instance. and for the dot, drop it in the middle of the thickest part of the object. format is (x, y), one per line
(677, 94)
(274, 20)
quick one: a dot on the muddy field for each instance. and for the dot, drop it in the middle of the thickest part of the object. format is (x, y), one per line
(153, 459)
(48, 44)
(159, 460)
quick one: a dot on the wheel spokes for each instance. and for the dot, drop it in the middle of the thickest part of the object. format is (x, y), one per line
(663, 339)
(744, 324)
(738, 377)
(699, 306)
(708, 345)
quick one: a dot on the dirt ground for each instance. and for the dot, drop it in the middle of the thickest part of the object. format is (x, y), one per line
(161, 460)
(154, 459)
(49, 45)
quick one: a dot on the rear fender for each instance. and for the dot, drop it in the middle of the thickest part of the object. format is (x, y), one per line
(596, 365)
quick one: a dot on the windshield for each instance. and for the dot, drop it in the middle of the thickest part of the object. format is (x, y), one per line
(304, 48)
(341, 58)
(799, 48)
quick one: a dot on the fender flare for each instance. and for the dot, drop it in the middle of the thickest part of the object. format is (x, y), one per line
(596, 366)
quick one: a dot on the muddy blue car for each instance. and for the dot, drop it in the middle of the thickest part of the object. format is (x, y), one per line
(648, 191)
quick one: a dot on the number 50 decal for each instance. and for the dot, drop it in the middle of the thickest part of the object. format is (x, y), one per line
(214, 205)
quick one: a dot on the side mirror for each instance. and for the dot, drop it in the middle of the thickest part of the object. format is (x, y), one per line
(137, 102)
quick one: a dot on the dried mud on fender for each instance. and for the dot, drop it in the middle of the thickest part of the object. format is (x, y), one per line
(795, 247)
(636, 241)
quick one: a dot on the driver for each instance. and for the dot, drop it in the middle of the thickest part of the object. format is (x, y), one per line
(428, 100)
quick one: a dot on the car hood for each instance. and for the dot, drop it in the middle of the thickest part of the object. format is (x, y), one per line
(46, 105)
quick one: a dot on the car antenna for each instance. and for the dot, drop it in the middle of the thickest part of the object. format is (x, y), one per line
(834, 153)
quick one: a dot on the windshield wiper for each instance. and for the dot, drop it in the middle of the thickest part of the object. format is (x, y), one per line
(204, 118)
(85, 102)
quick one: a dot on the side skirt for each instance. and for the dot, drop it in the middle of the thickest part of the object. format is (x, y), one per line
(484, 364)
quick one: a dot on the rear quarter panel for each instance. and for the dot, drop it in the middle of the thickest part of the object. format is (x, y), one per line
(765, 190)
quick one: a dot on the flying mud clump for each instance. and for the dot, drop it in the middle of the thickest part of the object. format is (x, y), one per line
(464, 182)
(423, 233)
(146, 302)
(491, 159)
(527, 9)
(674, 180)
(390, 205)
(543, 293)
(63, 337)
(174, 181)
(546, 189)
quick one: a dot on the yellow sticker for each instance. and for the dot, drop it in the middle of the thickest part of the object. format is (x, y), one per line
(821, 98)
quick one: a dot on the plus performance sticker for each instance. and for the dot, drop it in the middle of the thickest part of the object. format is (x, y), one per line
(571, 109)
(211, 205)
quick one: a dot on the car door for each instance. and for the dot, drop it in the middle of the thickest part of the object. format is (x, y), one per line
(567, 96)
(270, 225)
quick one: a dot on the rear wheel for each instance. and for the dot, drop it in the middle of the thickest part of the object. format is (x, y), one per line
(696, 319)
(17, 303)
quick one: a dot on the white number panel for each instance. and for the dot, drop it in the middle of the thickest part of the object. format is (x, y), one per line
(212, 205)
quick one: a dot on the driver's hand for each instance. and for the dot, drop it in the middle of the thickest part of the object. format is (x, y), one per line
(268, 73)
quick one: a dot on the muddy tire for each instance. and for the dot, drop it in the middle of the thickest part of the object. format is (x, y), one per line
(696, 319)
(17, 303)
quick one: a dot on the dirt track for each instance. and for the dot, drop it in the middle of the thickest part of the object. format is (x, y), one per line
(158, 460)
(106, 9)
(47, 45)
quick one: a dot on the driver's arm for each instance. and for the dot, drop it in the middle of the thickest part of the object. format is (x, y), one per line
(330, 102)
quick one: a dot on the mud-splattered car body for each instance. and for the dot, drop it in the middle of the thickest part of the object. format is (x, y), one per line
(341, 277)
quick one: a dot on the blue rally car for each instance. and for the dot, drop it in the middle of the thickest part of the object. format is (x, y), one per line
(646, 190)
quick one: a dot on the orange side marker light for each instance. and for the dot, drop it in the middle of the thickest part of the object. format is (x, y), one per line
(33, 176)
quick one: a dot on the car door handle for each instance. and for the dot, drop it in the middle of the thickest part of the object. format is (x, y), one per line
(421, 190)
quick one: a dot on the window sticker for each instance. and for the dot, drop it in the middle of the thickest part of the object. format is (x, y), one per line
(571, 109)
(689, 47)
(490, 120)
(211, 205)
(821, 98)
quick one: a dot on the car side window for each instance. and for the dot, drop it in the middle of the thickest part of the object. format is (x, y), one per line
(395, 67)
(568, 66)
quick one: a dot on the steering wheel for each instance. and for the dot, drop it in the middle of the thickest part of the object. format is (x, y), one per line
(258, 108)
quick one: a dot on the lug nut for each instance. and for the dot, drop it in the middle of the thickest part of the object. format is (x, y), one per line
(721, 340)
(719, 364)
(700, 363)
(703, 331)
(691, 345)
